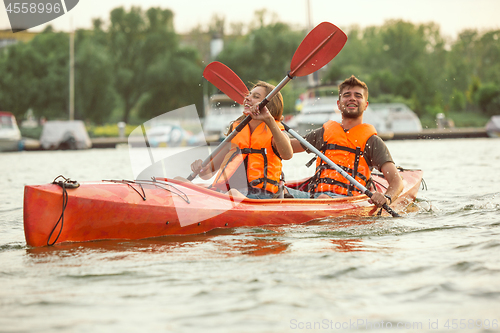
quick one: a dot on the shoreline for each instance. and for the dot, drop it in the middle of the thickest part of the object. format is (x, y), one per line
(438, 133)
(425, 134)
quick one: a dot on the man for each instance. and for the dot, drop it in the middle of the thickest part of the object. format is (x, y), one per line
(353, 146)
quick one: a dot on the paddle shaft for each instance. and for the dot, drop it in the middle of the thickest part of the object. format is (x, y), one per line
(222, 145)
(241, 125)
(353, 181)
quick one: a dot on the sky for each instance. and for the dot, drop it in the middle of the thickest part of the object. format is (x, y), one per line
(453, 16)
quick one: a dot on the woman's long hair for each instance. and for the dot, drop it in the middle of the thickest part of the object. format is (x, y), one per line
(275, 105)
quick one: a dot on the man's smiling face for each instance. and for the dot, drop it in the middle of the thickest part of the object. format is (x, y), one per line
(352, 102)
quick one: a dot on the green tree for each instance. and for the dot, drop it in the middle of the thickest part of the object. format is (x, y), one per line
(461, 67)
(174, 82)
(488, 98)
(36, 76)
(264, 54)
(17, 88)
(352, 59)
(473, 59)
(95, 96)
(399, 59)
(458, 101)
(489, 53)
(136, 41)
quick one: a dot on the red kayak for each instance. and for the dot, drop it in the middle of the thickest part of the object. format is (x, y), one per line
(71, 212)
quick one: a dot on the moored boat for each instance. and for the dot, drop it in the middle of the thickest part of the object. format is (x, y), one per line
(493, 127)
(10, 136)
(60, 134)
(71, 212)
(219, 114)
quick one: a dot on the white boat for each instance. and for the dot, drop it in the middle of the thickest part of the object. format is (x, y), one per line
(493, 127)
(393, 117)
(317, 107)
(10, 136)
(172, 135)
(60, 134)
(320, 105)
(221, 112)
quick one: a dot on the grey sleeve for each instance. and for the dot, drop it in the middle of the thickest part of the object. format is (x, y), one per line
(376, 152)
(315, 138)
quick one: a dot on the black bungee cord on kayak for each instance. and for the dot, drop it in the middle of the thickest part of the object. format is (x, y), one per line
(129, 183)
(157, 183)
(67, 183)
(154, 182)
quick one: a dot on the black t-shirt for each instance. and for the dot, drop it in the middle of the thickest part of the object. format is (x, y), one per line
(375, 153)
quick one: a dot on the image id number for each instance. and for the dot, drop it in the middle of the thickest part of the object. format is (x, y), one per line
(27, 7)
(463, 324)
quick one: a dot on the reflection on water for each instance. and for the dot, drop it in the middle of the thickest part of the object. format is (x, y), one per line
(348, 245)
(262, 241)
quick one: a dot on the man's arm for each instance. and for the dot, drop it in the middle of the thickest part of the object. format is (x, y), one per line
(378, 156)
(296, 146)
(315, 138)
(395, 185)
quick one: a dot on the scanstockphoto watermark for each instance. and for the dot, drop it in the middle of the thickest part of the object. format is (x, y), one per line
(354, 324)
(25, 14)
(429, 325)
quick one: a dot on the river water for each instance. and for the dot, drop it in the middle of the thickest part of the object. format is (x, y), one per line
(436, 269)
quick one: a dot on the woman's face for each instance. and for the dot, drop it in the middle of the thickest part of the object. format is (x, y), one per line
(254, 97)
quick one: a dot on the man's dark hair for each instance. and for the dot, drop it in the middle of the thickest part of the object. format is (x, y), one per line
(353, 82)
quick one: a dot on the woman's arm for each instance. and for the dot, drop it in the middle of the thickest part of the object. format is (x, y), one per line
(212, 167)
(281, 141)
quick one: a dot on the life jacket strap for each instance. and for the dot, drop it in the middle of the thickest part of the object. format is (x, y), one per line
(253, 151)
(355, 169)
(335, 182)
(346, 169)
(258, 181)
(333, 146)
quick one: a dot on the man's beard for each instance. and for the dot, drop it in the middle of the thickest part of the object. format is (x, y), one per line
(352, 115)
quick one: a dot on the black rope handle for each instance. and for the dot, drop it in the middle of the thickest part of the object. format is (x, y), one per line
(67, 183)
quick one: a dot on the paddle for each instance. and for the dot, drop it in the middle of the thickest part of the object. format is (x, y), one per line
(230, 79)
(317, 49)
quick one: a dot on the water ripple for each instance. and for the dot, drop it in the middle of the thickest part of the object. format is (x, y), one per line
(12, 246)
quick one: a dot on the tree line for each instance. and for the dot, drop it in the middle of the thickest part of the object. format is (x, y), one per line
(137, 67)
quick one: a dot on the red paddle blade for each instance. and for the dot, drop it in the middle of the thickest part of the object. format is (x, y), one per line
(319, 47)
(226, 80)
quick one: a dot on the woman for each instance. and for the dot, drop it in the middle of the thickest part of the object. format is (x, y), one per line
(251, 164)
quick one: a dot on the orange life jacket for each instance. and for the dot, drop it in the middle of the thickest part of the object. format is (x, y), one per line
(345, 149)
(262, 162)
